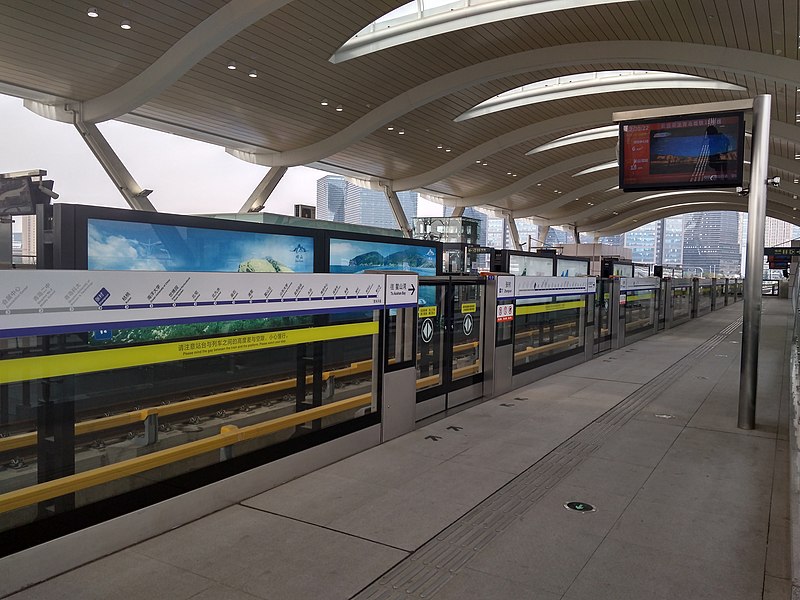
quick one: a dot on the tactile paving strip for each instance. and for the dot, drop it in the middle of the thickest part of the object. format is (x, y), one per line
(429, 568)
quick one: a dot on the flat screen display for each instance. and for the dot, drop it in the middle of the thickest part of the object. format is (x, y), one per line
(135, 246)
(356, 256)
(530, 266)
(682, 152)
(572, 268)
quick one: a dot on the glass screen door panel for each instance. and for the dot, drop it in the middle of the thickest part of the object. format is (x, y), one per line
(431, 335)
(467, 348)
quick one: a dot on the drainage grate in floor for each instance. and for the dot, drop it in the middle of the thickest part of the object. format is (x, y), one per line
(429, 568)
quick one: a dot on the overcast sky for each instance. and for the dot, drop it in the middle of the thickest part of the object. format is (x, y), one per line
(186, 176)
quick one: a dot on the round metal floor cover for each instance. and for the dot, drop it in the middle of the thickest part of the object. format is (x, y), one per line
(579, 506)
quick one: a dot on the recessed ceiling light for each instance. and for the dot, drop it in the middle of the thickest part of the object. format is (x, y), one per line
(538, 185)
(509, 173)
(324, 102)
(339, 108)
(252, 73)
(125, 24)
(439, 146)
(448, 149)
(477, 162)
(401, 132)
(556, 191)
(484, 163)
(92, 12)
(615, 213)
(590, 203)
(390, 128)
(232, 65)
(514, 175)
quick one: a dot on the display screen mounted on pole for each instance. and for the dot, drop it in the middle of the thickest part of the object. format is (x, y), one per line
(682, 152)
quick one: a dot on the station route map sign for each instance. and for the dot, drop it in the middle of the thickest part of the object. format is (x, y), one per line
(533, 287)
(56, 302)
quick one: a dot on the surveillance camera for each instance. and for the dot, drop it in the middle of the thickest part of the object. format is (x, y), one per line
(774, 181)
(48, 192)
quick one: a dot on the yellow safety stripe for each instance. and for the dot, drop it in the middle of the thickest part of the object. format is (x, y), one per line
(552, 307)
(40, 367)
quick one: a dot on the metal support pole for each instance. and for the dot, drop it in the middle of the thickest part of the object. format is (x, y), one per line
(458, 211)
(397, 209)
(134, 194)
(512, 229)
(576, 235)
(756, 222)
(255, 203)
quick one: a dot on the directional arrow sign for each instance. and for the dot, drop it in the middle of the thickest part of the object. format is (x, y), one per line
(435, 438)
(504, 404)
(455, 428)
(412, 288)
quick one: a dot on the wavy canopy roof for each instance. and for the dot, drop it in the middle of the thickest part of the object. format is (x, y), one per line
(170, 71)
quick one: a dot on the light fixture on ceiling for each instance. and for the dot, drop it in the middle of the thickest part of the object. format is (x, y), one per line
(556, 192)
(92, 12)
(590, 203)
(125, 24)
(477, 162)
(253, 73)
(509, 173)
(615, 213)
(484, 164)
(401, 132)
(390, 128)
(538, 185)
(324, 102)
(448, 149)
(339, 108)
(439, 146)
(513, 174)
(232, 65)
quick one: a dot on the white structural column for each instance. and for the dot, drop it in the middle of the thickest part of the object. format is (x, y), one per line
(255, 203)
(134, 194)
(457, 211)
(544, 231)
(397, 209)
(512, 229)
(756, 222)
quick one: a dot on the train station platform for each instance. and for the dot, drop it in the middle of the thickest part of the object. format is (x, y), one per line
(472, 505)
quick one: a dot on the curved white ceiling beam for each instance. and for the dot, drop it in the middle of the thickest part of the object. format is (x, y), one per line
(623, 202)
(627, 221)
(587, 135)
(450, 17)
(612, 164)
(755, 64)
(564, 198)
(589, 118)
(603, 84)
(216, 29)
(537, 177)
(778, 129)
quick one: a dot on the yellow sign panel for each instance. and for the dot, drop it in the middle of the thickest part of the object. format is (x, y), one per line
(552, 307)
(468, 307)
(426, 311)
(39, 367)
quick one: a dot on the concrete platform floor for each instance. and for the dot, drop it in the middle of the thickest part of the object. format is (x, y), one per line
(687, 505)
